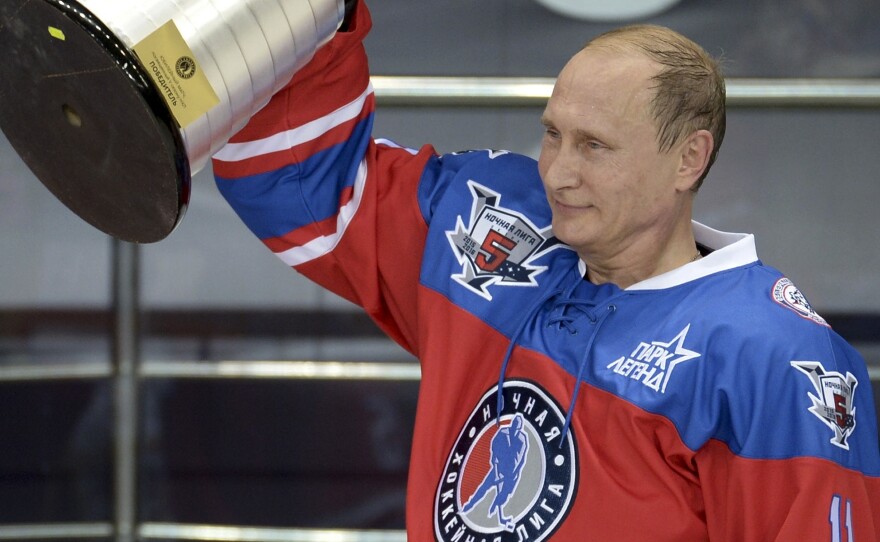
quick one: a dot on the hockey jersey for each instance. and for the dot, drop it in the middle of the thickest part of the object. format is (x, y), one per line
(708, 403)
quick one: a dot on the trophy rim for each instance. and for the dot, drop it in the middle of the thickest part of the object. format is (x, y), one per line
(132, 218)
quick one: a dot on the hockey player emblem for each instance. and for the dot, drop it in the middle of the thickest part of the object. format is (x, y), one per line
(511, 475)
(833, 402)
(496, 248)
(507, 457)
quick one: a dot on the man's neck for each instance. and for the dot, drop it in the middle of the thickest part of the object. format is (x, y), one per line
(641, 262)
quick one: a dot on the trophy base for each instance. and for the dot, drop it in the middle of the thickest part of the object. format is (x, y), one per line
(79, 109)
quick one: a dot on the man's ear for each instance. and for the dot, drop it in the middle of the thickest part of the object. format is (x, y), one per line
(694, 158)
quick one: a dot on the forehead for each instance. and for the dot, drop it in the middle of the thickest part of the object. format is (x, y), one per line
(602, 81)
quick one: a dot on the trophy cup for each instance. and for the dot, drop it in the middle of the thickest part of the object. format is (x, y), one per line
(115, 104)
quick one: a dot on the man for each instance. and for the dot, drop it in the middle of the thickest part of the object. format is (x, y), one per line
(508, 450)
(666, 384)
(620, 192)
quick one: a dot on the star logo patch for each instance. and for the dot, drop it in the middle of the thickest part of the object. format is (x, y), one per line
(652, 363)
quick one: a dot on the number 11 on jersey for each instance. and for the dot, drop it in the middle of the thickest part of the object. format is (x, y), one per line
(834, 518)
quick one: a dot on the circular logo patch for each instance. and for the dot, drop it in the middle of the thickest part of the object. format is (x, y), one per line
(511, 475)
(185, 67)
(786, 294)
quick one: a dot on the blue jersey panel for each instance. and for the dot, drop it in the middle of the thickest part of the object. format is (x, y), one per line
(279, 201)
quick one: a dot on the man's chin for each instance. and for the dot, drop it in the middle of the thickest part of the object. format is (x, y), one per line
(573, 235)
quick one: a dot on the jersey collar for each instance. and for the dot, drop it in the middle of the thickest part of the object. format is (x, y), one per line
(729, 250)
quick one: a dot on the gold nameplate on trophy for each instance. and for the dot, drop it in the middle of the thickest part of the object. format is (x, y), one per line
(176, 74)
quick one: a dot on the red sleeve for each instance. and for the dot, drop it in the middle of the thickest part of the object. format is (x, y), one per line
(307, 178)
(797, 499)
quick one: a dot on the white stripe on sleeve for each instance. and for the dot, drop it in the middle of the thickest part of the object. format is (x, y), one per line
(234, 152)
(326, 243)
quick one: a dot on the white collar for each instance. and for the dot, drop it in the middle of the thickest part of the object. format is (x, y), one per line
(729, 250)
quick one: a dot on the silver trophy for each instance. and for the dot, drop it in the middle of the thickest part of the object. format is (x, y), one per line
(115, 104)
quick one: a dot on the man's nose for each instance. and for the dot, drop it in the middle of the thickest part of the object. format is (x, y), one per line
(560, 169)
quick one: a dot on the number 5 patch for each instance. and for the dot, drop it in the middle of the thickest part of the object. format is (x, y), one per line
(833, 402)
(497, 245)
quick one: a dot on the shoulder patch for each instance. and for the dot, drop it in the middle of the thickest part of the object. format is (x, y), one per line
(498, 245)
(833, 401)
(787, 294)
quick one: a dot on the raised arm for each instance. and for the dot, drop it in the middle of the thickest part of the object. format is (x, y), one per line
(309, 181)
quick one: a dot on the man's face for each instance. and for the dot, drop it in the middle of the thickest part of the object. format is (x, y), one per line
(608, 185)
